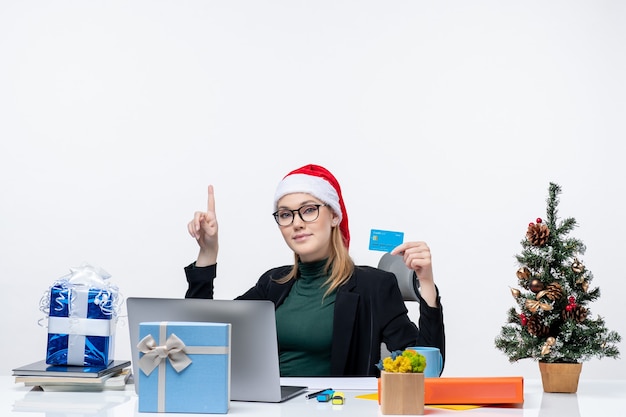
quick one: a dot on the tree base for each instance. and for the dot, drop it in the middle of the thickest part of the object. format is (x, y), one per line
(560, 377)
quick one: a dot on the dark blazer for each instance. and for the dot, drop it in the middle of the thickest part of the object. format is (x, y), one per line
(369, 310)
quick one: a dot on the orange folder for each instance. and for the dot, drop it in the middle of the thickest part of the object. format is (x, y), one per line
(474, 390)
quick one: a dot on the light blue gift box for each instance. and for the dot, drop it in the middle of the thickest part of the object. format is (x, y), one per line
(184, 367)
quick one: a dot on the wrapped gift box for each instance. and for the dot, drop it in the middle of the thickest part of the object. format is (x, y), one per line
(82, 318)
(184, 367)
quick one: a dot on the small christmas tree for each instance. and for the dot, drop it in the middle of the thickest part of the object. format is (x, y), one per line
(552, 321)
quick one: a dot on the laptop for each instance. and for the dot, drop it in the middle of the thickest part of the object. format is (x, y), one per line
(255, 374)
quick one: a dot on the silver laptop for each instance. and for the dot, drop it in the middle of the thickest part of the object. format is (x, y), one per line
(255, 375)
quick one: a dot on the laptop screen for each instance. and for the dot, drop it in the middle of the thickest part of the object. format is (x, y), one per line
(255, 374)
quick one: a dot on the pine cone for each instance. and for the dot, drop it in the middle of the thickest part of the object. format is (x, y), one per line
(554, 291)
(578, 313)
(536, 327)
(537, 234)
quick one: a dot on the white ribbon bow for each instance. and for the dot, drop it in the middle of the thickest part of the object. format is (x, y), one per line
(154, 355)
(88, 275)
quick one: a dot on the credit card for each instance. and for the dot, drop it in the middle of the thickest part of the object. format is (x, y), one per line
(385, 240)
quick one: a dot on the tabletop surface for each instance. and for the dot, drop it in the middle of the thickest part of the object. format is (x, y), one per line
(594, 398)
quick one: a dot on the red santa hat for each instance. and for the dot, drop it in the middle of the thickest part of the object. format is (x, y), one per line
(321, 184)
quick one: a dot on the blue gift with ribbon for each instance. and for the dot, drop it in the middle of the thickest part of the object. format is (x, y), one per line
(184, 367)
(82, 310)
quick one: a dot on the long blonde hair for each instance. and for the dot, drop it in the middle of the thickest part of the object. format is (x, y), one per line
(339, 264)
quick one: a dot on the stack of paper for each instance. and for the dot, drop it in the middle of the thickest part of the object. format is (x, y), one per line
(73, 378)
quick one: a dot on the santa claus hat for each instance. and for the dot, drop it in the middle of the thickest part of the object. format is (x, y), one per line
(320, 183)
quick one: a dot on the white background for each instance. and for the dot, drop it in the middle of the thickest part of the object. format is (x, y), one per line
(445, 120)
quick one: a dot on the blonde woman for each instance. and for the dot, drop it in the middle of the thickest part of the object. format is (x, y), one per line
(331, 316)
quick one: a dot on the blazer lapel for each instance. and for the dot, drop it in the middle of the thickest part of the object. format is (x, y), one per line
(346, 305)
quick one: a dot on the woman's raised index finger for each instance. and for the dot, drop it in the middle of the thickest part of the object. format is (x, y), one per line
(211, 200)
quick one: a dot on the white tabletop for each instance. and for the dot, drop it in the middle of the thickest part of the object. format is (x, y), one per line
(594, 398)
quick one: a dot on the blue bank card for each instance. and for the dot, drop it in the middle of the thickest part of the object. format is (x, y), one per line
(385, 240)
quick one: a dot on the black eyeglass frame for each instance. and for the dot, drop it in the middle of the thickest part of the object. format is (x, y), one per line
(293, 212)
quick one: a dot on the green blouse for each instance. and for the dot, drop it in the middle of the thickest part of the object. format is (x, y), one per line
(304, 323)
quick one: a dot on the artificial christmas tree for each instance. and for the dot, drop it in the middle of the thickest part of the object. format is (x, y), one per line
(552, 322)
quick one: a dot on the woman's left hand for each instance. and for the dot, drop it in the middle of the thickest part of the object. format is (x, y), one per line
(416, 256)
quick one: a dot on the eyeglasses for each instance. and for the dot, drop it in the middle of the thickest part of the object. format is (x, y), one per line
(308, 213)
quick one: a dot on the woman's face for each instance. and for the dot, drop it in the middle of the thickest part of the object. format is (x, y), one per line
(310, 240)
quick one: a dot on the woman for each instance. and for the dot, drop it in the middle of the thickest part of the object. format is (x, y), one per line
(331, 316)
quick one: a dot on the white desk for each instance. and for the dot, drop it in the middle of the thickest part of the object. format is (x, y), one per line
(594, 398)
